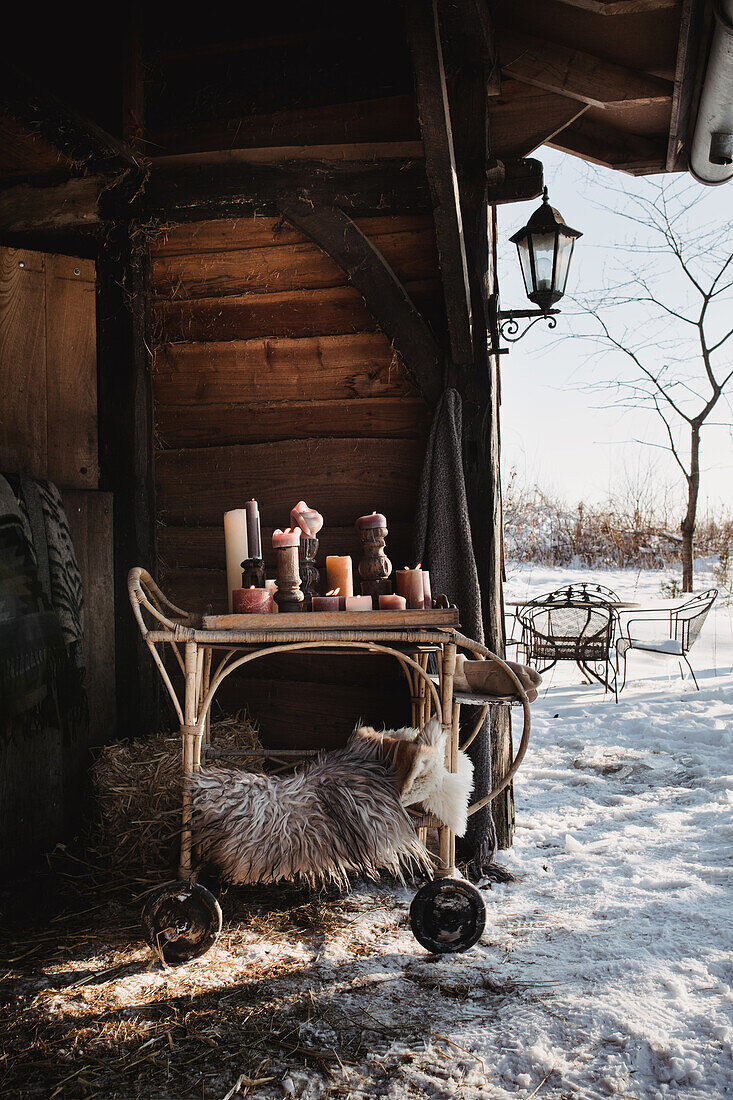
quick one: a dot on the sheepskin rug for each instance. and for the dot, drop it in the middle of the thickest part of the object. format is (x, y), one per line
(343, 813)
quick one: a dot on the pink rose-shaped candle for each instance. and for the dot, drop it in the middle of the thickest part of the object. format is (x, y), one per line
(307, 519)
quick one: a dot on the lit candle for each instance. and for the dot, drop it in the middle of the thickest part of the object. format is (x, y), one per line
(252, 601)
(367, 523)
(392, 603)
(271, 587)
(426, 590)
(339, 574)
(358, 603)
(237, 551)
(254, 533)
(332, 601)
(409, 583)
(307, 519)
(288, 537)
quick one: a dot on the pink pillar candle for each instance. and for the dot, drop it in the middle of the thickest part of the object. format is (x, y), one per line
(288, 537)
(426, 590)
(339, 574)
(332, 601)
(307, 519)
(252, 601)
(409, 583)
(392, 603)
(367, 523)
(358, 603)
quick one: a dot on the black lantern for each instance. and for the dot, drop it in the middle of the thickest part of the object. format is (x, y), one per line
(545, 246)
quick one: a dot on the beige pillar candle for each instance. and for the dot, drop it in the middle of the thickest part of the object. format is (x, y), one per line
(340, 575)
(392, 603)
(237, 549)
(409, 583)
(358, 603)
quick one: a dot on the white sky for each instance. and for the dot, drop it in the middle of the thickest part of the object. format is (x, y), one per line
(555, 431)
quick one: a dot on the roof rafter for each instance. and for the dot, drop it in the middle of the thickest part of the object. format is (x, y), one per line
(575, 74)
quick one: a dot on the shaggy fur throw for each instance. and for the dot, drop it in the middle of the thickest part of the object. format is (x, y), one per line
(341, 814)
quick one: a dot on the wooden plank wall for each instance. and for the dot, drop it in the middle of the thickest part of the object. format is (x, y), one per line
(48, 429)
(272, 380)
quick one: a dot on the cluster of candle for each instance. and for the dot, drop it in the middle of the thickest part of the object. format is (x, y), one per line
(244, 543)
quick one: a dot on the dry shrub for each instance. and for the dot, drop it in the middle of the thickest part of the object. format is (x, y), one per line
(541, 529)
(137, 787)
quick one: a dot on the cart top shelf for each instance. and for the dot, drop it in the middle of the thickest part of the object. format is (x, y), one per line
(333, 621)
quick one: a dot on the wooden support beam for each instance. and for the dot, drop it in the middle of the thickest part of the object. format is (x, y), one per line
(467, 73)
(687, 81)
(71, 133)
(523, 117)
(620, 7)
(435, 125)
(612, 148)
(193, 193)
(513, 181)
(71, 205)
(340, 238)
(575, 74)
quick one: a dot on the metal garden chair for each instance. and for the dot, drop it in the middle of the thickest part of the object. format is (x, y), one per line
(683, 623)
(564, 627)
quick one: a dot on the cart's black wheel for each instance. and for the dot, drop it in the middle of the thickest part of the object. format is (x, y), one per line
(181, 922)
(447, 915)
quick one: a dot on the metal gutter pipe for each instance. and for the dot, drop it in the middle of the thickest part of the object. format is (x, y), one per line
(711, 152)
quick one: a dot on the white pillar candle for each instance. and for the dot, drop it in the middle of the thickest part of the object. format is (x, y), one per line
(237, 548)
(358, 603)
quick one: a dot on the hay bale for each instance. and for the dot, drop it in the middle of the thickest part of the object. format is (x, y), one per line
(137, 787)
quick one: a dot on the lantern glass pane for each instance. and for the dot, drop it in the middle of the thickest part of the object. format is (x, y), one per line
(543, 245)
(525, 263)
(565, 246)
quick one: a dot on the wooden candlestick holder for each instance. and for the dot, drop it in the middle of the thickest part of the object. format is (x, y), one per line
(288, 597)
(253, 573)
(374, 567)
(309, 575)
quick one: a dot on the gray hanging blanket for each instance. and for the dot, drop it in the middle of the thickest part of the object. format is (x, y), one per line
(444, 545)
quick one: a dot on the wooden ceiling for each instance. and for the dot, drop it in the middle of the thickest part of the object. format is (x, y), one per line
(600, 79)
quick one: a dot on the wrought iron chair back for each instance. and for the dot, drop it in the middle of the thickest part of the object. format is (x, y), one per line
(687, 621)
(684, 625)
(588, 591)
(562, 627)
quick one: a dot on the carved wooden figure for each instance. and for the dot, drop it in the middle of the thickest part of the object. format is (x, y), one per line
(309, 574)
(288, 597)
(375, 567)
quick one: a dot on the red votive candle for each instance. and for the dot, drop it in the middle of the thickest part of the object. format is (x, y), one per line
(252, 601)
(392, 603)
(409, 583)
(332, 601)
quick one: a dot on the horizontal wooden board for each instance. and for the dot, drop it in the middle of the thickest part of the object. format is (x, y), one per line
(344, 477)
(308, 715)
(338, 309)
(338, 620)
(202, 548)
(392, 118)
(314, 368)
(260, 231)
(411, 253)
(229, 422)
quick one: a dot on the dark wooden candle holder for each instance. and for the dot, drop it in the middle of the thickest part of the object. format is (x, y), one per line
(375, 567)
(253, 573)
(309, 575)
(288, 597)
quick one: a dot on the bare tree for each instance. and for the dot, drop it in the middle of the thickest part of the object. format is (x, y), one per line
(669, 318)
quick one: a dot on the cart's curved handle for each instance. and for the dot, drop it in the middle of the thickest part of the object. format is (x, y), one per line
(144, 593)
(476, 647)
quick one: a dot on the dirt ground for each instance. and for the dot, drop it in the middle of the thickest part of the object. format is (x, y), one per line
(301, 996)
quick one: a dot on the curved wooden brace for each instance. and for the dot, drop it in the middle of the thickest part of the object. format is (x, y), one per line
(386, 298)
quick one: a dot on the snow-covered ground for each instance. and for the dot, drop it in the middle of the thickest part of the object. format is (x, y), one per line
(605, 970)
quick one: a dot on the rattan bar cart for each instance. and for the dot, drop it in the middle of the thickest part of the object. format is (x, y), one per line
(182, 919)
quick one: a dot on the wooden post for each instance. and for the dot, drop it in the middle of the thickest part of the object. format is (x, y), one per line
(467, 65)
(126, 457)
